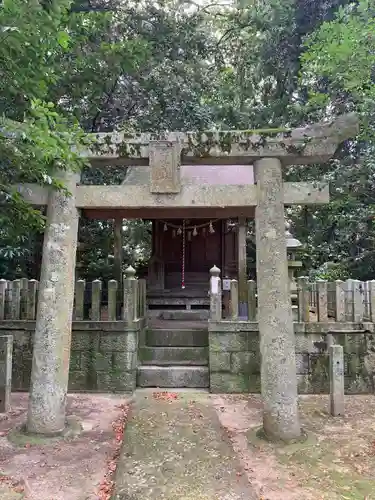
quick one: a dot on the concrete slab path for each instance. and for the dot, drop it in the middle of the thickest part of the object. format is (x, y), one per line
(175, 449)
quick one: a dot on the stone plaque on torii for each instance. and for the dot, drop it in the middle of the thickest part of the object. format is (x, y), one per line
(267, 150)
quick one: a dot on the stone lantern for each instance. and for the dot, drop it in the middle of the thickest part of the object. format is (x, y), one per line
(292, 246)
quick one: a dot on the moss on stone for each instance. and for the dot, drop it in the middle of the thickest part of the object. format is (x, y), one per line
(20, 437)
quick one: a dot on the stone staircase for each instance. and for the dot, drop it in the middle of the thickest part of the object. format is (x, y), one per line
(175, 354)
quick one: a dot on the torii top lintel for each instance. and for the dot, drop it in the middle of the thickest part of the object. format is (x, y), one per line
(191, 174)
(314, 143)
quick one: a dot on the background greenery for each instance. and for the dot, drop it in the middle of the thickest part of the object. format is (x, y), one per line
(72, 67)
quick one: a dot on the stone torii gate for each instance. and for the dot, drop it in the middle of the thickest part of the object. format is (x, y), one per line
(268, 151)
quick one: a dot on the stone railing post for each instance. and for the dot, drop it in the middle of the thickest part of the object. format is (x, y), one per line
(96, 300)
(233, 301)
(3, 287)
(6, 353)
(340, 314)
(336, 380)
(303, 299)
(112, 300)
(371, 288)
(322, 300)
(129, 312)
(79, 309)
(358, 301)
(32, 298)
(215, 294)
(251, 300)
(16, 299)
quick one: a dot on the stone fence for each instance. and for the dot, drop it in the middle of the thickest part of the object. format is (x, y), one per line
(108, 322)
(325, 313)
(95, 301)
(349, 301)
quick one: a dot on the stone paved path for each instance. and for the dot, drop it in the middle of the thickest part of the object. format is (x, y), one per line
(177, 450)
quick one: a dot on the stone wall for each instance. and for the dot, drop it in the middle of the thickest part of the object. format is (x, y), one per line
(103, 355)
(234, 361)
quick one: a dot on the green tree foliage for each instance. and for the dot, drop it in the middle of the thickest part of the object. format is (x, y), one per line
(338, 71)
(176, 65)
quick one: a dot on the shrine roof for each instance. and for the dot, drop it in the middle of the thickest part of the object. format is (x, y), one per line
(198, 174)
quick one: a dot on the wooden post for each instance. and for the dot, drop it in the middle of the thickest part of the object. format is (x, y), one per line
(96, 300)
(215, 294)
(234, 299)
(303, 299)
(6, 352)
(251, 300)
(336, 380)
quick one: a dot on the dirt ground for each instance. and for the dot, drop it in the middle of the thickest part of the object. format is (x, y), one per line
(79, 467)
(336, 462)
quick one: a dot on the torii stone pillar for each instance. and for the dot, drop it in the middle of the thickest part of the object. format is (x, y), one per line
(51, 352)
(277, 342)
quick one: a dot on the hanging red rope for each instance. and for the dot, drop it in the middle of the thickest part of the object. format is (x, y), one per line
(183, 254)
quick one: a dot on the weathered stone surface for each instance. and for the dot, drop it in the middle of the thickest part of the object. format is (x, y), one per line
(173, 376)
(239, 341)
(302, 363)
(120, 341)
(277, 343)
(220, 361)
(336, 379)
(139, 196)
(6, 350)
(177, 338)
(82, 341)
(165, 159)
(245, 362)
(311, 144)
(184, 315)
(116, 381)
(174, 355)
(222, 382)
(51, 353)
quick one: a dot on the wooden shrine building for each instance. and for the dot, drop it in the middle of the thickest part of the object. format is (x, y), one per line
(187, 242)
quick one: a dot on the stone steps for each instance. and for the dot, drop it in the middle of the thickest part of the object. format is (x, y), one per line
(173, 376)
(177, 337)
(183, 315)
(173, 356)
